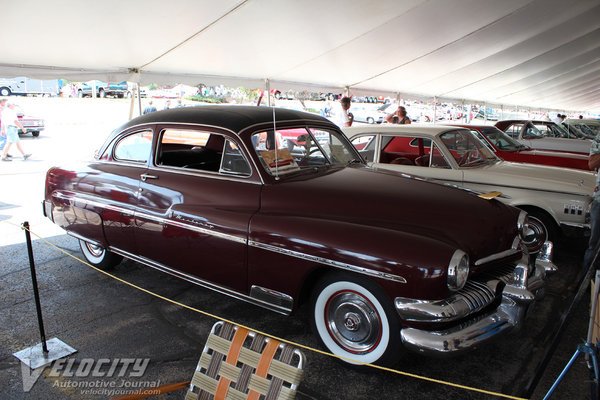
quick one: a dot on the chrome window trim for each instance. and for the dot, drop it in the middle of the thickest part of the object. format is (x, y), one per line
(207, 174)
(154, 166)
(326, 261)
(244, 240)
(121, 137)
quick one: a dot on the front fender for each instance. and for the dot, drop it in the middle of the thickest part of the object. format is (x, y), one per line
(283, 250)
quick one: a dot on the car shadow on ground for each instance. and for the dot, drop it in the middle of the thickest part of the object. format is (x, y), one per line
(104, 318)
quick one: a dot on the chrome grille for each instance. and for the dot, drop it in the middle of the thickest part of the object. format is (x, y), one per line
(477, 295)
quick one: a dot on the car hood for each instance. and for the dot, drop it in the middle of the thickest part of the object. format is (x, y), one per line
(533, 176)
(398, 202)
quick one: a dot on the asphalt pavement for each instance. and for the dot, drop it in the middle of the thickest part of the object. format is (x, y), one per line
(104, 319)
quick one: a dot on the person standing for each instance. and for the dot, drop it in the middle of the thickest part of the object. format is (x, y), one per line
(398, 117)
(149, 109)
(10, 129)
(345, 118)
(2, 137)
(594, 162)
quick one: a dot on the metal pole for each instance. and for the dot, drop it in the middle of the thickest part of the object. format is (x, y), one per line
(139, 94)
(36, 294)
(268, 90)
(434, 109)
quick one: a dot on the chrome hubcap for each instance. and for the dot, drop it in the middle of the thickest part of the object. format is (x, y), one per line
(535, 234)
(96, 251)
(353, 322)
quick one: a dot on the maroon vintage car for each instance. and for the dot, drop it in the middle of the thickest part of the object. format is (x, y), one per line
(217, 196)
(509, 149)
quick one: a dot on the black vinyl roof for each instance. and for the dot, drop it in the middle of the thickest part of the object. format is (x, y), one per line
(234, 118)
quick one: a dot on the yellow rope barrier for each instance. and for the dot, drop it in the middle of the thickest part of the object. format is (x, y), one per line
(408, 374)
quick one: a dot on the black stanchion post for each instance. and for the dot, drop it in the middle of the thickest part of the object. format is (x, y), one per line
(36, 293)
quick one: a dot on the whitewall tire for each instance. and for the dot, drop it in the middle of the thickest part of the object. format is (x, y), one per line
(98, 256)
(354, 319)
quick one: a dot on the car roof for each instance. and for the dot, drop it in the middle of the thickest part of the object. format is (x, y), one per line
(390, 129)
(233, 118)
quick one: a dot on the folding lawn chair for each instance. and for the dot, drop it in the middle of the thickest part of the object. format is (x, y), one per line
(240, 364)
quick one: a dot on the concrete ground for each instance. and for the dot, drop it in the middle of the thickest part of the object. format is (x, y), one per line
(105, 319)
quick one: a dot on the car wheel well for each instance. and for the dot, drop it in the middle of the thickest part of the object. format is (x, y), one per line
(539, 210)
(310, 281)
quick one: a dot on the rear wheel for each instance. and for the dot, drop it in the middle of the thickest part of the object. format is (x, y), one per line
(35, 133)
(370, 120)
(98, 256)
(354, 319)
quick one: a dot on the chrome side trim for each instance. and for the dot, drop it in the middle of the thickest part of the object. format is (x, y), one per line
(497, 256)
(272, 297)
(326, 261)
(94, 242)
(197, 281)
(575, 225)
(242, 240)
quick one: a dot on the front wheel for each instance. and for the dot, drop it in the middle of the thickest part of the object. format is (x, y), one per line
(539, 229)
(35, 133)
(98, 256)
(370, 120)
(4, 91)
(354, 319)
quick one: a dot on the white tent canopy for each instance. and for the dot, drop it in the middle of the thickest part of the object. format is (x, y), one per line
(541, 54)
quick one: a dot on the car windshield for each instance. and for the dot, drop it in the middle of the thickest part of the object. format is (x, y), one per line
(532, 132)
(501, 140)
(467, 150)
(295, 149)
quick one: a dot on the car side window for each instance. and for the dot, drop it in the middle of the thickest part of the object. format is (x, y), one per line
(365, 146)
(479, 136)
(514, 130)
(233, 161)
(135, 147)
(190, 148)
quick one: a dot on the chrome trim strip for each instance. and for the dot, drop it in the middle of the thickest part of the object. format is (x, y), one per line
(576, 225)
(200, 282)
(244, 240)
(326, 261)
(497, 256)
(96, 203)
(207, 174)
(272, 297)
(79, 237)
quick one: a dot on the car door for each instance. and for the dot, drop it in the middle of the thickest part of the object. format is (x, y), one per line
(195, 205)
(115, 181)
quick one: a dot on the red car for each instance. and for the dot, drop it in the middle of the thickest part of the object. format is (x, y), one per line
(31, 124)
(278, 217)
(510, 150)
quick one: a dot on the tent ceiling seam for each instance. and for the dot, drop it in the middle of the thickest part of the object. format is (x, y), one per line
(231, 11)
(444, 46)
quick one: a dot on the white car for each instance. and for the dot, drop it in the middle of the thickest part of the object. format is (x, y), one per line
(556, 199)
(367, 112)
(527, 133)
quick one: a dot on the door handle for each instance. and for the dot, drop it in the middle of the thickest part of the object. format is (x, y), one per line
(146, 176)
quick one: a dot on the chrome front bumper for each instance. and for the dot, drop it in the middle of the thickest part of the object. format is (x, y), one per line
(522, 284)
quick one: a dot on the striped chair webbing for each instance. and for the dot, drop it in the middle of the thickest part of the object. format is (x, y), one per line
(238, 364)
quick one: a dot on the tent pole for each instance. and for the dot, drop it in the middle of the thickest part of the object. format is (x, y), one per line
(268, 90)
(139, 94)
(132, 105)
(434, 109)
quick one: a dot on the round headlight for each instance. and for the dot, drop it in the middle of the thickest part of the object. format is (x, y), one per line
(458, 270)
(522, 223)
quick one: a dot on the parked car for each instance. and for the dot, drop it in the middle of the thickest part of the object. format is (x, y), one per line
(527, 133)
(205, 194)
(104, 89)
(556, 199)
(589, 127)
(367, 112)
(31, 124)
(509, 149)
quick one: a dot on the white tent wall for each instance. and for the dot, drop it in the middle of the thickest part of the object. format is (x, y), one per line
(539, 53)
